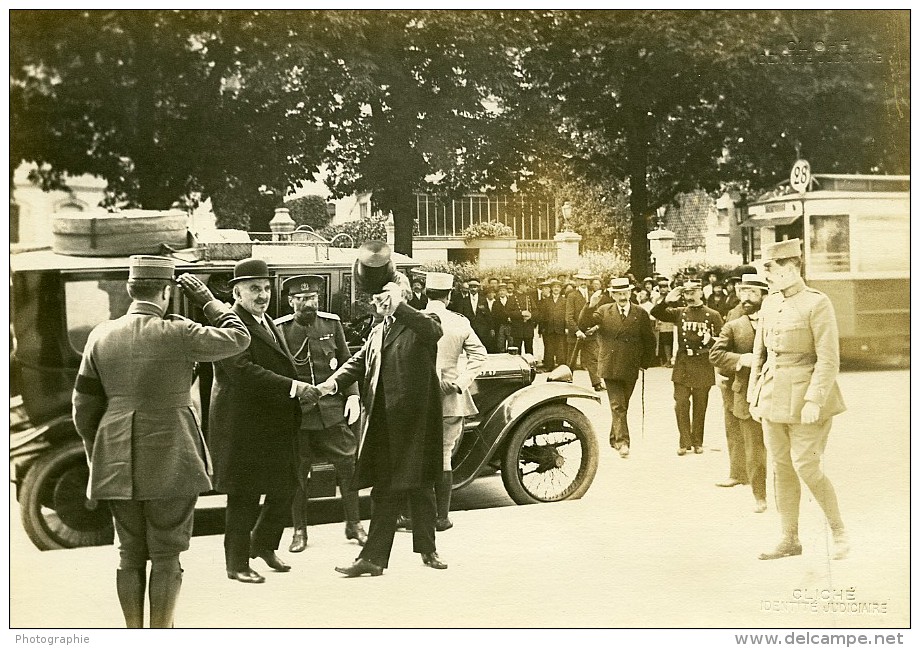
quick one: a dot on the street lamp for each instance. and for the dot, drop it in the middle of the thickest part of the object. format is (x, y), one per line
(566, 215)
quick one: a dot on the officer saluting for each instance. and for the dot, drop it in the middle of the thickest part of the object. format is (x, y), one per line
(317, 343)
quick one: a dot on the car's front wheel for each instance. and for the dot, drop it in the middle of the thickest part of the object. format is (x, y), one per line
(53, 505)
(551, 456)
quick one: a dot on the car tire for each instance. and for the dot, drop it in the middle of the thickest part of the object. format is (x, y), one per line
(535, 457)
(53, 506)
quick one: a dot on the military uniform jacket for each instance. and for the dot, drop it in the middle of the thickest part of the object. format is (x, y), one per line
(132, 401)
(796, 357)
(626, 344)
(403, 367)
(736, 338)
(253, 418)
(458, 339)
(318, 349)
(692, 368)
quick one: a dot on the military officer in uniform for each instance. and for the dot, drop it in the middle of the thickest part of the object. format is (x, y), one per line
(317, 343)
(795, 395)
(693, 376)
(132, 407)
(457, 375)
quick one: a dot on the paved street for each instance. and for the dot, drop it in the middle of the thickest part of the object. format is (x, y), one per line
(654, 543)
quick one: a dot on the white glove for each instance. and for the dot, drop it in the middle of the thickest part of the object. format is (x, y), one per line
(352, 408)
(580, 334)
(326, 387)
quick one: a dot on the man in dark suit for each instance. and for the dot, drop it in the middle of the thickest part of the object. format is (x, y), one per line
(626, 345)
(552, 326)
(402, 438)
(132, 407)
(506, 316)
(522, 333)
(255, 415)
(575, 300)
(418, 300)
(732, 356)
(473, 307)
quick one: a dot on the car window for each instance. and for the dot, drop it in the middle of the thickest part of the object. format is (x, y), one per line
(89, 302)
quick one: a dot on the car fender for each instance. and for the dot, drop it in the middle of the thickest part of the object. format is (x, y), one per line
(27, 445)
(493, 430)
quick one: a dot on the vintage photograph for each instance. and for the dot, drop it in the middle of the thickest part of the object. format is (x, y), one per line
(422, 319)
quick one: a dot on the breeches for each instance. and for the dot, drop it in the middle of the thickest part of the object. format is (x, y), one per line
(156, 530)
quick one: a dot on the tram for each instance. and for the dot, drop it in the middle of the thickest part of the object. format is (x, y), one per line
(855, 231)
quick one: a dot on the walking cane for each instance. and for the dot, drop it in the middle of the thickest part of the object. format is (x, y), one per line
(643, 403)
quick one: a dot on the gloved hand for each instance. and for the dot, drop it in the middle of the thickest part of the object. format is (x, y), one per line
(448, 387)
(352, 408)
(810, 412)
(580, 334)
(194, 289)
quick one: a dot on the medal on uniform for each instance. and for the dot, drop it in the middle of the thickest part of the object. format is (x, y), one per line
(333, 364)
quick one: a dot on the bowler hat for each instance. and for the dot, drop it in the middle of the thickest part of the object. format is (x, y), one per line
(374, 267)
(249, 269)
(143, 266)
(303, 285)
(782, 250)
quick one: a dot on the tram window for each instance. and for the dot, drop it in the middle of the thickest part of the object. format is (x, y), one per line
(830, 244)
(884, 243)
(91, 302)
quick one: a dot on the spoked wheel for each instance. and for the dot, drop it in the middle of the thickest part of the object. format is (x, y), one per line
(551, 456)
(55, 511)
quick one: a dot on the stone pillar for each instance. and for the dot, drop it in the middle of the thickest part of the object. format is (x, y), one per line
(499, 251)
(391, 231)
(282, 224)
(567, 244)
(661, 242)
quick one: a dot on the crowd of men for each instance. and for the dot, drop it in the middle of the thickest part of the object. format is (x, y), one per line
(286, 392)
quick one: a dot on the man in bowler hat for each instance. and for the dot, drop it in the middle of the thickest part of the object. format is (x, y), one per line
(795, 394)
(254, 417)
(402, 437)
(132, 407)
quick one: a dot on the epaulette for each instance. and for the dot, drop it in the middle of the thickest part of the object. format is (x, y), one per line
(173, 317)
(284, 319)
(326, 315)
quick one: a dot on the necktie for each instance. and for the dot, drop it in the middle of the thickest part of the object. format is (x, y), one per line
(268, 328)
(622, 311)
(387, 323)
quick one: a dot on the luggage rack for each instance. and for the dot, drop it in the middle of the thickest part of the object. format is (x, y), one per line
(271, 244)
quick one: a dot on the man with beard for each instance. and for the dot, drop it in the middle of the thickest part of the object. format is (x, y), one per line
(697, 327)
(732, 356)
(795, 394)
(318, 346)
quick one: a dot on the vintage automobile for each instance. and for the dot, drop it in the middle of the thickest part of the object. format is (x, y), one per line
(529, 429)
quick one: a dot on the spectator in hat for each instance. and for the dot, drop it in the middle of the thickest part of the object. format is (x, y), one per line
(712, 280)
(731, 296)
(456, 376)
(626, 346)
(697, 328)
(506, 316)
(527, 300)
(717, 300)
(318, 347)
(732, 356)
(575, 301)
(665, 330)
(794, 393)
(552, 326)
(418, 301)
(132, 409)
(473, 307)
(254, 417)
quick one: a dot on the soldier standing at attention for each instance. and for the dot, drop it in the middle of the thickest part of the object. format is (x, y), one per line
(317, 343)
(132, 407)
(693, 376)
(795, 396)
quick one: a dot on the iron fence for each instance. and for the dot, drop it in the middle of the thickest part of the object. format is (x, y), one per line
(530, 217)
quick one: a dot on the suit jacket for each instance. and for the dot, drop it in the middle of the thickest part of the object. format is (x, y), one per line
(529, 303)
(253, 418)
(625, 345)
(796, 357)
(459, 338)
(418, 303)
(736, 338)
(403, 368)
(481, 320)
(132, 401)
(574, 303)
(552, 316)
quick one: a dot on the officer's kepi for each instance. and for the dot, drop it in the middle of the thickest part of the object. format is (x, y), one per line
(439, 281)
(303, 286)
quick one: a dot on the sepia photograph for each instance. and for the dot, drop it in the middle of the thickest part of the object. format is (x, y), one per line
(334, 320)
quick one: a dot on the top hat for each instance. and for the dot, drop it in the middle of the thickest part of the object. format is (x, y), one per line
(249, 269)
(754, 281)
(782, 250)
(374, 267)
(620, 283)
(143, 266)
(439, 281)
(303, 286)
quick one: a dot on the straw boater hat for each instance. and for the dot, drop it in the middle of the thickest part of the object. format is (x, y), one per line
(249, 269)
(144, 266)
(754, 281)
(790, 249)
(584, 273)
(303, 286)
(619, 284)
(439, 281)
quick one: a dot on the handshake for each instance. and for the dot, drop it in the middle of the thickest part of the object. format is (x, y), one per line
(311, 394)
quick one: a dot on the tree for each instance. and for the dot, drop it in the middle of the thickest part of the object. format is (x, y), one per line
(309, 210)
(677, 100)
